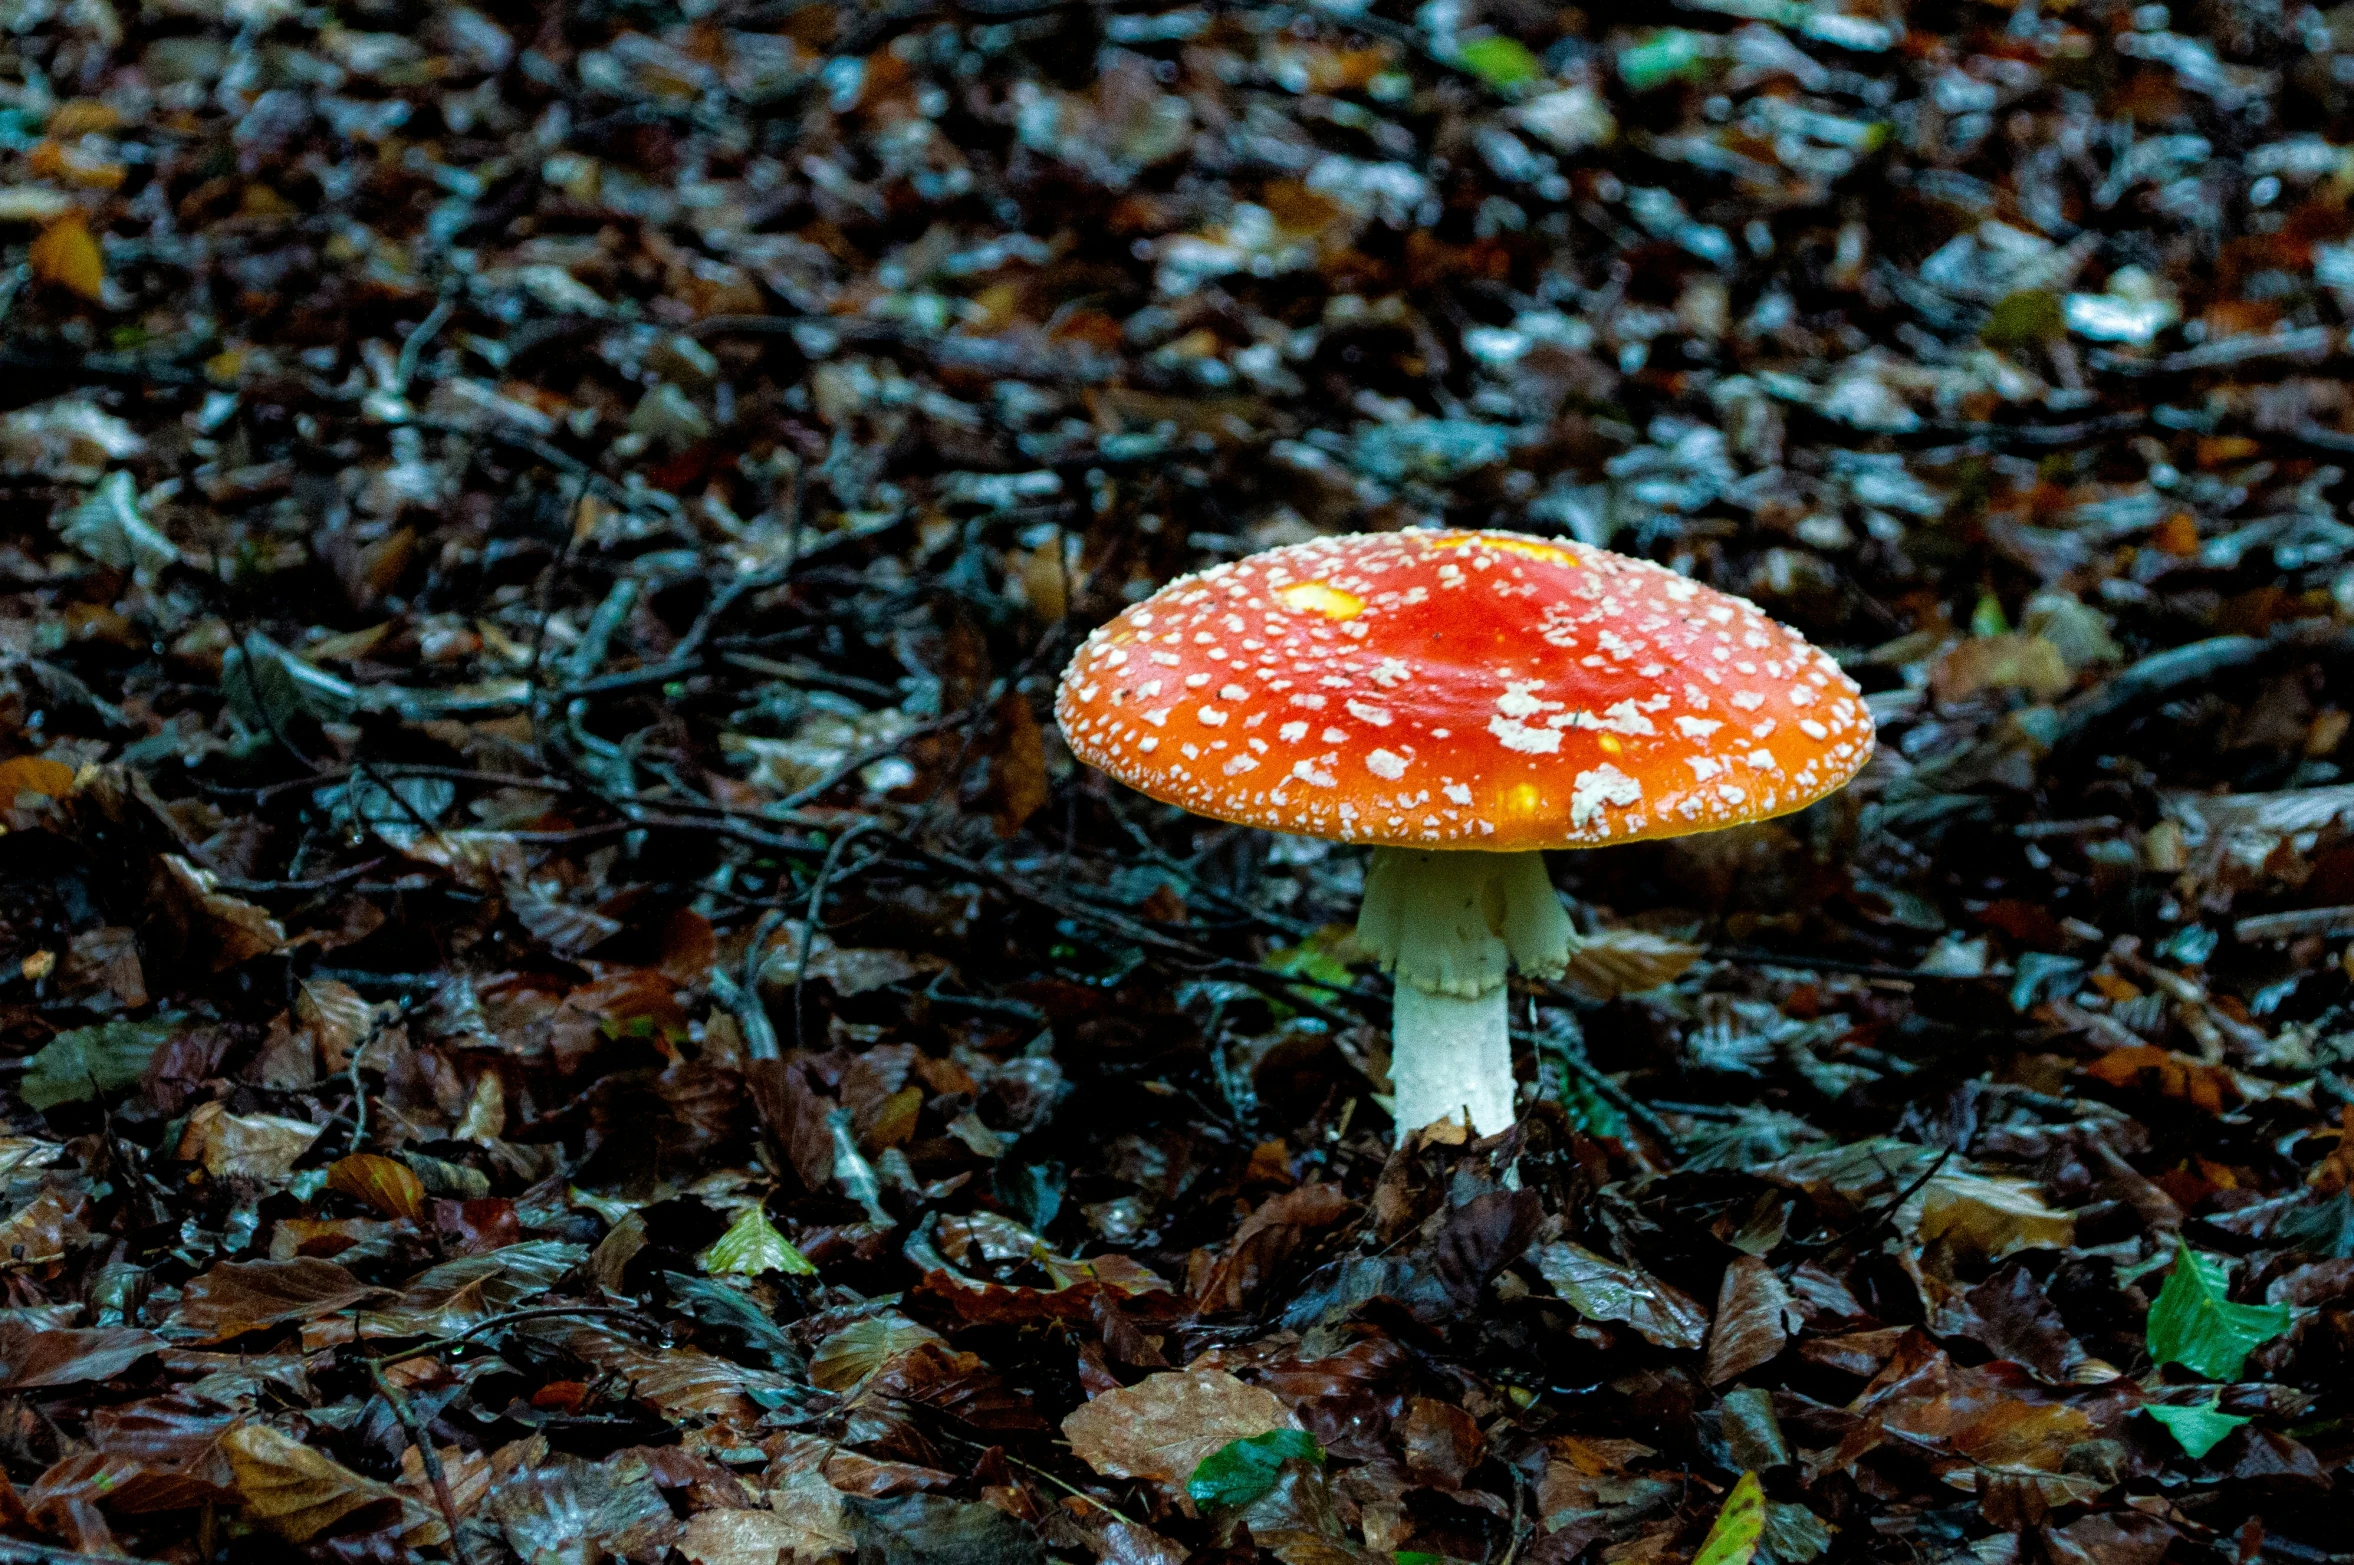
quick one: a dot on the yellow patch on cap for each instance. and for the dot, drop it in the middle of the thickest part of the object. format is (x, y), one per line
(1527, 548)
(1321, 597)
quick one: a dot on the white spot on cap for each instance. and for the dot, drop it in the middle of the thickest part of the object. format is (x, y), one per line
(1697, 727)
(1292, 733)
(1516, 735)
(1604, 785)
(1457, 793)
(1381, 763)
(1379, 717)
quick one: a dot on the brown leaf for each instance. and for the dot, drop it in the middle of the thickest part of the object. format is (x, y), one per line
(62, 1356)
(1616, 962)
(1755, 1316)
(1018, 787)
(385, 1184)
(1600, 1289)
(237, 1297)
(1442, 1442)
(2011, 1316)
(222, 930)
(298, 1493)
(2118, 1538)
(848, 1357)
(566, 1510)
(1165, 1425)
(725, 1537)
(261, 1147)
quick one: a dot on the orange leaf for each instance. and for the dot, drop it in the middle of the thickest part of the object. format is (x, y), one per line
(66, 254)
(389, 1186)
(2202, 1086)
(34, 774)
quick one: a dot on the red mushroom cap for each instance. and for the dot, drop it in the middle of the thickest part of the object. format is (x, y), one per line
(1461, 690)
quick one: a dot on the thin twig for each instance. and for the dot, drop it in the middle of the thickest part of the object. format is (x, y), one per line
(809, 923)
(422, 1439)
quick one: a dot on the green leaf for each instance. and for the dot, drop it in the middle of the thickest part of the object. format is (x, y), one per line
(2196, 1428)
(1739, 1526)
(1323, 955)
(1417, 1557)
(78, 1066)
(1239, 1471)
(1670, 54)
(1988, 619)
(752, 1246)
(2194, 1325)
(2022, 319)
(1500, 62)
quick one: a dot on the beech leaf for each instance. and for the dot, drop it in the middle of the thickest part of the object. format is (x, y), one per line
(2194, 1325)
(1166, 1425)
(1739, 1525)
(1241, 1470)
(2199, 1427)
(752, 1246)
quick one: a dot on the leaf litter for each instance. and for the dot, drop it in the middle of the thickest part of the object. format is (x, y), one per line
(564, 999)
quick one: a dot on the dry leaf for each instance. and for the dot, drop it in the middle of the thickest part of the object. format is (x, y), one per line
(1627, 961)
(67, 254)
(1166, 1424)
(226, 930)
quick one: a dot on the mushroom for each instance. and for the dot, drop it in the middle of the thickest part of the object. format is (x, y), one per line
(1461, 701)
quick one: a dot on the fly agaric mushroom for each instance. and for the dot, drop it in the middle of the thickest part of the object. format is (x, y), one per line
(1461, 701)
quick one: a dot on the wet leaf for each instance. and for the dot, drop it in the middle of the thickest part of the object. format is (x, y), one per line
(1165, 1426)
(384, 1184)
(262, 1147)
(2193, 1323)
(1242, 1470)
(1602, 1289)
(64, 1356)
(234, 1297)
(1755, 1317)
(2197, 1427)
(300, 1493)
(1740, 1524)
(92, 1062)
(752, 1246)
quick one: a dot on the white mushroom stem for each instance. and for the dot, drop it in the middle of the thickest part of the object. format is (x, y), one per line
(1447, 924)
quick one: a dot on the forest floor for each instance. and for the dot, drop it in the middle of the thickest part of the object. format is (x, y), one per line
(562, 997)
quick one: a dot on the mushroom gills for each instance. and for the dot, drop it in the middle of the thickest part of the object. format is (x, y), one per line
(1448, 924)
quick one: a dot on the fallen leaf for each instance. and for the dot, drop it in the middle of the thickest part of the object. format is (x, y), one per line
(2193, 1324)
(385, 1184)
(567, 1510)
(1168, 1424)
(1733, 1538)
(1601, 1289)
(67, 254)
(64, 1356)
(236, 1297)
(2197, 1427)
(299, 1493)
(88, 1063)
(1615, 962)
(37, 774)
(262, 1147)
(752, 1246)
(847, 1358)
(1755, 1317)
(1240, 1471)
